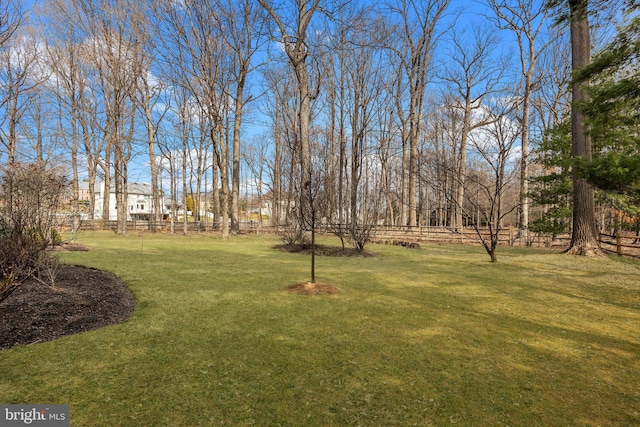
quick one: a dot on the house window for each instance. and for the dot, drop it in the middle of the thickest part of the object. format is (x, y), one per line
(141, 207)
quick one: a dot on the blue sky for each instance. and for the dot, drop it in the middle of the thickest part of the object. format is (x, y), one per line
(466, 13)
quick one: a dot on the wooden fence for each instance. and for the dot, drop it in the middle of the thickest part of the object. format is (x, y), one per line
(621, 243)
(627, 244)
(143, 225)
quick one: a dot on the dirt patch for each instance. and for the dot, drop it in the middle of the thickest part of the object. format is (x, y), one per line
(72, 247)
(308, 288)
(83, 299)
(322, 250)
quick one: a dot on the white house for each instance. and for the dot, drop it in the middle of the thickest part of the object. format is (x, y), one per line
(286, 207)
(139, 201)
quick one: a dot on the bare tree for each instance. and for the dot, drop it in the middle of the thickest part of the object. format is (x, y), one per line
(294, 39)
(63, 61)
(67, 60)
(195, 57)
(294, 35)
(149, 89)
(493, 147)
(417, 33)
(335, 131)
(111, 40)
(240, 27)
(256, 158)
(440, 171)
(552, 101)
(20, 74)
(528, 21)
(359, 70)
(168, 162)
(11, 17)
(280, 106)
(473, 74)
(385, 154)
(200, 162)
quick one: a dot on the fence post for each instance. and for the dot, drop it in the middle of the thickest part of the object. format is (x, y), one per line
(618, 243)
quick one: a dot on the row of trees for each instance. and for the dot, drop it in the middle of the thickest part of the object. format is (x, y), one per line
(405, 112)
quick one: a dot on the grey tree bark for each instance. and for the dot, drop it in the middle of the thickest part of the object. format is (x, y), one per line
(584, 236)
(295, 45)
(527, 21)
(417, 30)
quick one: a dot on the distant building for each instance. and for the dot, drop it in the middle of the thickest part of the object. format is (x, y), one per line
(139, 201)
(287, 205)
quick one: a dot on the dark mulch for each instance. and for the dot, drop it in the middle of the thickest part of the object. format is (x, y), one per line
(323, 250)
(82, 299)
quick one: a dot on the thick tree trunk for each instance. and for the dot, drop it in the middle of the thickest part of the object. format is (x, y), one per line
(413, 178)
(462, 162)
(121, 181)
(185, 218)
(74, 162)
(404, 209)
(584, 239)
(276, 214)
(91, 166)
(355, 159)
(221, 155)
(106, 169)
(156, 213)
(524, 172)
(235, 169)
(297, 51)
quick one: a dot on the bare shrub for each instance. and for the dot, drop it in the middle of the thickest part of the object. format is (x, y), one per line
(292, 233)
(48, 269)
(30, 197)
(360, 235)
(338, 230)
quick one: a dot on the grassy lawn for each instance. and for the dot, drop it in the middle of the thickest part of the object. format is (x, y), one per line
(435, 336)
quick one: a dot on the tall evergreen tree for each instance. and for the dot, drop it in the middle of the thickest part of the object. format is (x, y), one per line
(553, 190)
(584, 237)
(613, 115)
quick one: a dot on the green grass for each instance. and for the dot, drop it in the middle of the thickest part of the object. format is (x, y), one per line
(436, 336)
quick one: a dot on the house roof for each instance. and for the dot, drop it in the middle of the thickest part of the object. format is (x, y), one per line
(142, 189)
(283, 195)
(133, 188)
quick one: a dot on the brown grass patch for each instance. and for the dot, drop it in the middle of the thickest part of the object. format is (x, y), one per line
(72, 247)
(308, 288)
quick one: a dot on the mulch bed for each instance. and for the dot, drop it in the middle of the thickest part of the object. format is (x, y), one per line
(82, 299)
(323, 250)
(308, 288)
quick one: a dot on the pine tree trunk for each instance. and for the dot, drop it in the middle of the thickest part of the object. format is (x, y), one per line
(584, 235)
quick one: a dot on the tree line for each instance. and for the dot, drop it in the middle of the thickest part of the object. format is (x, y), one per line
(404, 112)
